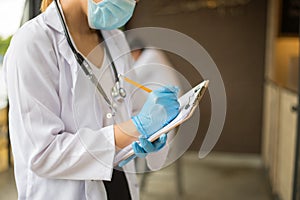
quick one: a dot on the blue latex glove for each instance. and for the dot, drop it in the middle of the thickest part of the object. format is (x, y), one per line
(160, 108)
(144, 147)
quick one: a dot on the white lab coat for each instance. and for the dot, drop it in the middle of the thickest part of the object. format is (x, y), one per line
(63, 146)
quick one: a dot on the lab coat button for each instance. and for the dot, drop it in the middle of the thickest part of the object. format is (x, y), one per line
(109, 115)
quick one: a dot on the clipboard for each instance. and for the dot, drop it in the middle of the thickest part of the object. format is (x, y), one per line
(188, 104)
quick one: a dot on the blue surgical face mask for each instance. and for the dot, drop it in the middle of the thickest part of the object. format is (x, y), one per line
(109, 14)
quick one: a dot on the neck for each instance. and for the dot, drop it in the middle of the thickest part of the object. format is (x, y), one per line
(85, 39)
(75, 13)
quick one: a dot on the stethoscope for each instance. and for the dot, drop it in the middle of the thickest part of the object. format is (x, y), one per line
(117, 91)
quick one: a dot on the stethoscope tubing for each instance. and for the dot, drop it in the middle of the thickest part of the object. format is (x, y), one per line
(87, 68)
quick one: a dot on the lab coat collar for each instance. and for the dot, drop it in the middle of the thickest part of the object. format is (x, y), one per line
(52, 19)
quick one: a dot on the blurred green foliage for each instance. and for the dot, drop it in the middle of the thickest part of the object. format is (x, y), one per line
(4, 43)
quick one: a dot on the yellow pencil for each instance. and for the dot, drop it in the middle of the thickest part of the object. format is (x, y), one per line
(136, 84)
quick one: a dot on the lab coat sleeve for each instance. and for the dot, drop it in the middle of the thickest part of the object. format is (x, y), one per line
(32, 79)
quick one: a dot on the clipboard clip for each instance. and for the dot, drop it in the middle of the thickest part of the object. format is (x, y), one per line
(199, 95)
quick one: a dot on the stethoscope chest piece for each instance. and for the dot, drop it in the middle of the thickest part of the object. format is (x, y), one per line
(122, 92)
(117, 91)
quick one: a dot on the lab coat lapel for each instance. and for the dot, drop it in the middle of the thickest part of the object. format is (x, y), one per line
(66, 52)
(80, 86)
(53, 21)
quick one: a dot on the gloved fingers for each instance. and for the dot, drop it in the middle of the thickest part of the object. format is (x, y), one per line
(160, 108)
(124, 162)
(153, 146)
(167, 89)
(138, 150)
(146, 145)
(166, 99)
(174, 89)
(166, 93)
(160, 142)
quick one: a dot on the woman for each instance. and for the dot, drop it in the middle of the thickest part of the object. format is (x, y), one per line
(63, 138)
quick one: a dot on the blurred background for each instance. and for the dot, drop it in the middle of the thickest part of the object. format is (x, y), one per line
(255, 44)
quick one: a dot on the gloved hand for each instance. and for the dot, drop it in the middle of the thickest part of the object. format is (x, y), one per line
(160, 108)
(145, 147)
